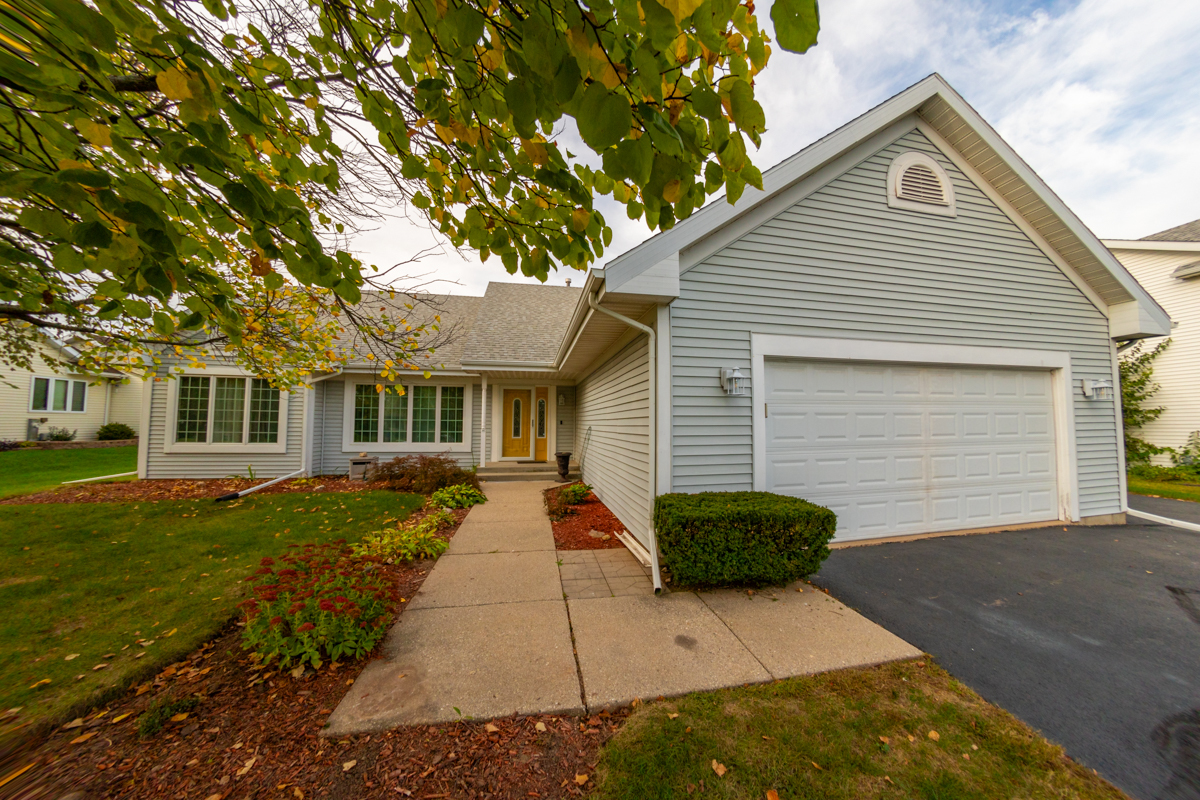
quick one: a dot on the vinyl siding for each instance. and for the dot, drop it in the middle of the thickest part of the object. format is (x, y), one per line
(328, 458)
(840, 263)
(1177, 370)
(565, 443)
(218, 465)
(125, 403)
(613, 404)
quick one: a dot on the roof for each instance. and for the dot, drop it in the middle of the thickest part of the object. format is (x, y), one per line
(935, 107)
(1188, 232)
(519, 324)
(456, 313)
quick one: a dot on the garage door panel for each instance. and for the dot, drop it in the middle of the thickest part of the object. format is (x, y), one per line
(895, 450)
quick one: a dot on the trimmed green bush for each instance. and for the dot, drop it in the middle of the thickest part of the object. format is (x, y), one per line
(734, 538)
(114, 431)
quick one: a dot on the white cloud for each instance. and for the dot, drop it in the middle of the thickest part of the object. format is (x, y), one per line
(1100, 97)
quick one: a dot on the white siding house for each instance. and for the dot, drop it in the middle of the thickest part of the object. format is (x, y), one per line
(899, 326)
(1168, 265)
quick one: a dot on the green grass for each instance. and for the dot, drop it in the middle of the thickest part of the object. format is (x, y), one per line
(29, 470)
(819, 737)
(93, 578)
(1164, 489)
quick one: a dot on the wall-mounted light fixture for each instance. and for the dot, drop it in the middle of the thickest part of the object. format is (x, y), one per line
(1098, 390)
(733, 382)
(562, 399)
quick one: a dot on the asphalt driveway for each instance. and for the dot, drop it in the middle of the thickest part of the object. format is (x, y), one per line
(1090, 635)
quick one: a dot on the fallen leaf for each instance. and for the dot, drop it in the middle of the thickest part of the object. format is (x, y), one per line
(974, 747)
(171, 633)
(349, 765)
(192, 763)
(123, 716)
(216, 796)
(246, 768)
(967, 756)
(541, 727)
(490, 728)
(297, 793)
(772, 794)
(818, 766)
(180, 717)
(581, 779)
(71, 657)
(83, 738)
(719, 768)
(672, 716)
(77, 723)
(934, 735)
(883, 739)
(99, 667)
(42, 682)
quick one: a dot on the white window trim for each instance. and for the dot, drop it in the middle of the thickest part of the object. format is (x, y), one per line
(409, 446)
(50, 395)
(172, 446)
(903, 162)
(1057, 363)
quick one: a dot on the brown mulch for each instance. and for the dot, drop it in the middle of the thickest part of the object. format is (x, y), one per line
(573, 531)
(152, 490)
(256, 733)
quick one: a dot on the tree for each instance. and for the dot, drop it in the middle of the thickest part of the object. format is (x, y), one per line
(1137, 387)
(183, 175)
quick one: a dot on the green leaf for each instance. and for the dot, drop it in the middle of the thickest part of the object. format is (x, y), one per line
(91, 234)
(631, 160)
(522, 103)
(796, 24)
(747, 114)
(85, 177)
(604, 117)
(706, 103)
(240, 198)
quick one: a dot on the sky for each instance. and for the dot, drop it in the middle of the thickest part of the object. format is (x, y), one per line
(1100, 97)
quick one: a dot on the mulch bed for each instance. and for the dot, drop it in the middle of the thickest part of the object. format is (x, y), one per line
(573, 532)
(152, 490)
(256, 733)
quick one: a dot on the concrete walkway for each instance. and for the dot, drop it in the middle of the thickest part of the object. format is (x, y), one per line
(493, 633)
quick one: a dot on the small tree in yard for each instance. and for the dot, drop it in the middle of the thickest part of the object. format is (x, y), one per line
(1137, 387)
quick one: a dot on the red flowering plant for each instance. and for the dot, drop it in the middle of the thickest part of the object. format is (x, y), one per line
(316, 603)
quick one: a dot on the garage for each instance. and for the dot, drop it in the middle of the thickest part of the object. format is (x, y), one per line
(897, 449)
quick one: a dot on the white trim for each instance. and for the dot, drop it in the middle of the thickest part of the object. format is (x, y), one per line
(172, 416)
(306, 448)
(1178, 523)
(901, 164)
(50, 394)
(143, 462)
(764, 346)
(1138, 244)
(484, 444)
(407, 446)
(1122, 478)
(1014, 216)
(665, 400)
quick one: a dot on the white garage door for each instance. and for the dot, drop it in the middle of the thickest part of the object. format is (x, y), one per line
(896, 450)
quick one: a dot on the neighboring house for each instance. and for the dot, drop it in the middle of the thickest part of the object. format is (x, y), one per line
(32, 402)
(1168, 265)
(900, 327)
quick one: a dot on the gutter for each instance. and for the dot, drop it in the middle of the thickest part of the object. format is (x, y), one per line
(652, 442)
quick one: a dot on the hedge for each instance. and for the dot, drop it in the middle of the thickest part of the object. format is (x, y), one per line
(730, 538)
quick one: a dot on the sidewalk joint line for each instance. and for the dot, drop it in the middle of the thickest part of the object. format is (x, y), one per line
(739, 639)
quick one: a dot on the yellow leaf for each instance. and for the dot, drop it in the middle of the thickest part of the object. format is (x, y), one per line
(349, 765)
(246, 768)
(934, 735)
(71, 657)
(536, 152)
(490, 728)
(312, 102)
(180, 717)
(580, 218)
(42, 682)
(673, 191)
(83, 738)
(76, 723)
(883, 739)
(171, 632)
(581, 779)
(123, 716)
(96, 133)
(173, 83)
(815, 764)
(681, 8)
(672, 716)
(772, 794)
(719, 768)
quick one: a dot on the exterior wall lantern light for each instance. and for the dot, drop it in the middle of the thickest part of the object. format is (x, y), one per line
(1098, 390)
(733, 382)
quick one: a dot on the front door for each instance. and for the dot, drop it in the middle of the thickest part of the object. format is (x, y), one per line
(541, 424)
(515, 436)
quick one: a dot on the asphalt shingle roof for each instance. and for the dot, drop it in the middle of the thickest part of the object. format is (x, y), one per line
(1188, 232)
(520, 322)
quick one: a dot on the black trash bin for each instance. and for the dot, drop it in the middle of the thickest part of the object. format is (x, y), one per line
(564, 464)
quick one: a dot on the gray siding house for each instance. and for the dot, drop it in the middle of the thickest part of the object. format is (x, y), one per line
(906, 325)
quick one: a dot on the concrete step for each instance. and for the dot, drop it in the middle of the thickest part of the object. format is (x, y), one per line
(489, 474)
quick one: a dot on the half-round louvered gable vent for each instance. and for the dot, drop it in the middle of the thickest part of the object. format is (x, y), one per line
(916, 182)
(922, 184)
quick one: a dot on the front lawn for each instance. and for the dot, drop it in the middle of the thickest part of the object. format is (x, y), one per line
(1176, 491)
(30, 470)
(905, 730)
(98, 593)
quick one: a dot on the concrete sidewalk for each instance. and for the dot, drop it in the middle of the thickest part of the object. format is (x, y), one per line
(505, 624)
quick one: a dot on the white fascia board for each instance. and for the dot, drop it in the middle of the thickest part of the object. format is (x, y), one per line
(1138, 244)
(1135, 320)
(660, 281)
(594, 282)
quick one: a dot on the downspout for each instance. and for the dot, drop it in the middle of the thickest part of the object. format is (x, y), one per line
(652, 444)
(483, 411)
(107, 396)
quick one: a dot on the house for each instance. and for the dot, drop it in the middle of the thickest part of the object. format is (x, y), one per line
(1168, 265)
(34, 401)
(901, 326)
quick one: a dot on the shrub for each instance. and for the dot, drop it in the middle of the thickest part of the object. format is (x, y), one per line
(722, 538)
(460, 496)
(574, 494)
(1189, 454)
(321, 603)
(1150, 472)
(114, 431)
(9, 444)
(152, 719)
(61, 434)
(405, 542)
(424, 474)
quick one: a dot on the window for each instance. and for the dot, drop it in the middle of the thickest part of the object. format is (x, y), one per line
(516, 418)
(58, 394)
(424, 414)
(541, 418)
(227, 410)
(917, 182)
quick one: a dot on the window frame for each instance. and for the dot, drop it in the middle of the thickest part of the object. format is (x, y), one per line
(209, 446)
(408, 445)
(73, 386)
(905, 160)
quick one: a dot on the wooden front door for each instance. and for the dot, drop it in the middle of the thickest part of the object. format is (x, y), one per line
(515, 436)
(541, 424)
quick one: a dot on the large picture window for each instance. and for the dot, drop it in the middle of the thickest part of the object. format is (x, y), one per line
(58, 394)
(424, 415)
(226, 410)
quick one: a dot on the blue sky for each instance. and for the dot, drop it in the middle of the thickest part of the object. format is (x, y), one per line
(1101, 97)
